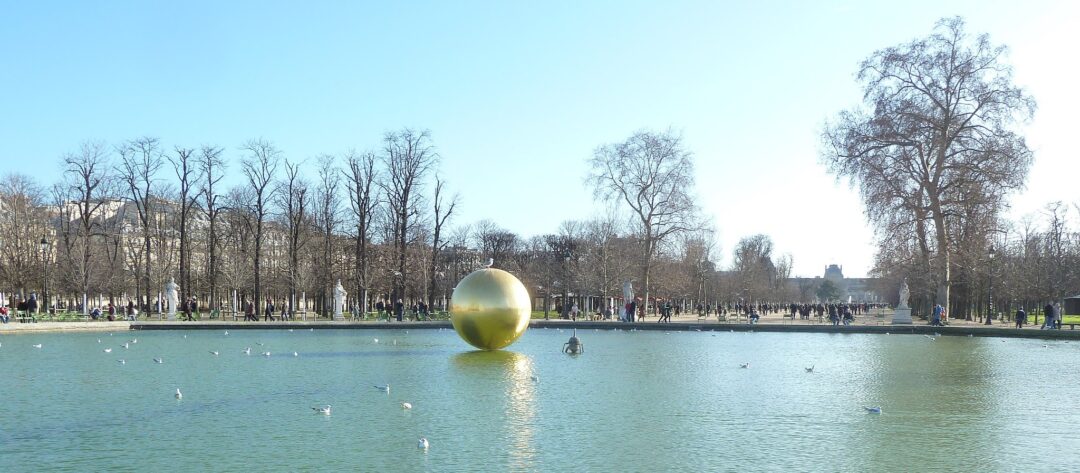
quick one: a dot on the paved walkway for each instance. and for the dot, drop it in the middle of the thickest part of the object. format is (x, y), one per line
(873, 323)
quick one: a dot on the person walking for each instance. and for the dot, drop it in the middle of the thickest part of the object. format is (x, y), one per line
(1021, 317)
(1049, 317)
(268, 314)
(399, 310)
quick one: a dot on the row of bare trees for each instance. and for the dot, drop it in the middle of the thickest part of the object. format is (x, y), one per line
(125, 219)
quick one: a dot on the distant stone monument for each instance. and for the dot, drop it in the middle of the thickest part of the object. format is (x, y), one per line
(339, 301)
(902, 313)
(171, 298)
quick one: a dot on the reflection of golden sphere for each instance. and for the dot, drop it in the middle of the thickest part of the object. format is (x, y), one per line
(490, 309)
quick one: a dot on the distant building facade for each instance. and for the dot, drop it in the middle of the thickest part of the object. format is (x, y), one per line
(857, 289)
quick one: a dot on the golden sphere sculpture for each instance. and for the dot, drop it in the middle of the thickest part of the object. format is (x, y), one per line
(490, 309)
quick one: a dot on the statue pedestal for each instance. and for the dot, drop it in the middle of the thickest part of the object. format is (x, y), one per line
(338, 315)
(901, 316)
(171, 316)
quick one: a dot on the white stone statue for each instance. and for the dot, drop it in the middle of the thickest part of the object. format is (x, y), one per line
(905, 294)
(339, 300)
(171, 298)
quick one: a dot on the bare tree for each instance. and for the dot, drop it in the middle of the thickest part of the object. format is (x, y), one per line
(22, 222)
(186, 168)
(364, 201)
(140, 160)
(259, 166)
(212, 168)
(652, 174)
(407, 157)
(87, 188)
(937, 127)
(327, 219)
(443, 211)
(294, 202)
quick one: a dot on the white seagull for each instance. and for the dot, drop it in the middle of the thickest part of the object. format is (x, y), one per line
(266, 353)
(134, 340)
(489, 263)
(422, 444)
(107, 350)
(122, 362)
(295, 354)
(873, 410)
(37, 345)
(226, 332)
(322, 410)
(383, 388)
(744, 365)
(159, 360)
(126, 346)
(215, 353)
(810, 369)
(376, 340)
(246, 351)
(179, 395)
(406, 405)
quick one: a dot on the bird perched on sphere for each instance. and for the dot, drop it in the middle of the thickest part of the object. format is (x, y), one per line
(490, 262)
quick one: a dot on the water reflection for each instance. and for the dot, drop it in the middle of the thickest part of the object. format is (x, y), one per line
(515, 372)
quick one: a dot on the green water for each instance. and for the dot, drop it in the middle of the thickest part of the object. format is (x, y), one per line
(635, 401)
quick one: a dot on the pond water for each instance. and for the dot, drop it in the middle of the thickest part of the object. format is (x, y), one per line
(635, 401)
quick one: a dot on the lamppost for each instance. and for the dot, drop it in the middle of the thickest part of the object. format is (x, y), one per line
(45, 274)
(990, 288)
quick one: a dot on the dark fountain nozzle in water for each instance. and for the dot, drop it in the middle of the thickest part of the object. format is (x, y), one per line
(574, 346)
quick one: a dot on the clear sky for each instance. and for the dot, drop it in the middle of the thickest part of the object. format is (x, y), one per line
(518, 94)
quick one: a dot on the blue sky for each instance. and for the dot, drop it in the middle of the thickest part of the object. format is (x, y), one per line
(517, 94)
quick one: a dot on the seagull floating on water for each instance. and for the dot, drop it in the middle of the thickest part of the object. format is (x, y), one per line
(246, 351)
(376, 340)
(266, 353)
(810, 369)
(295, 354)
(37, 345)
(107, 350)
(134, 340)
(226, 332)
(159, 360)
(99, 340)
(873, 410)
(322, 410)
(179, 395)
(406, 405)
(122, 362)
(931, 338)
(422, 444)
(534, 378)
(214, 352)
(383, 388)
(259, 343)
(744, 365)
